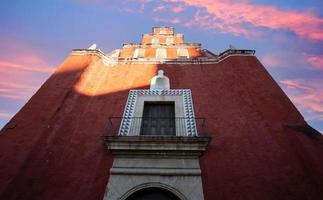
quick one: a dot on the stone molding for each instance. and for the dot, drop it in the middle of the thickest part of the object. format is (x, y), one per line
(154, 185)
(156, 171)
(155, 161)
(160, 146)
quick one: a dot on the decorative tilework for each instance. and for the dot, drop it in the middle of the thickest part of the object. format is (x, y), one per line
(187, 103)
(128, 113)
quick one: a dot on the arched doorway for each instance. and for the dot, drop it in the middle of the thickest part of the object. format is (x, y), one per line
(153, 193)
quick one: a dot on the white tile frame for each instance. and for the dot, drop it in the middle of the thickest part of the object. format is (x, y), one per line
(134, 108)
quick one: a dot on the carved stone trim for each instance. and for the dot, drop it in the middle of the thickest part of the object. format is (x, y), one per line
(162, 146)
(156, 185)
(187, 105)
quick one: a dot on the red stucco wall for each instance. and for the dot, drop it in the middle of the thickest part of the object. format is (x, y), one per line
(252, 155)
(52, 149)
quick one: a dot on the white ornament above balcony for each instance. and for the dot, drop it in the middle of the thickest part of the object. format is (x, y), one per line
(160, 82)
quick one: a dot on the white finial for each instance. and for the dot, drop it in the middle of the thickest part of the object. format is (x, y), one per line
(92, 47)
(160, 82)
(231, 47)
(161, 73)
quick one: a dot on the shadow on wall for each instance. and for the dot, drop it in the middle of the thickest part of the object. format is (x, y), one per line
(52, 148)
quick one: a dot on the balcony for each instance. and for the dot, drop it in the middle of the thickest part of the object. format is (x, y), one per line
(138, 136)
(237, 51)
(138, 126)
(156, 150)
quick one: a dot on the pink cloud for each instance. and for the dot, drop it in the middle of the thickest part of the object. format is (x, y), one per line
(270, 60)
(16, 91)
(159, 8)
(22, 71)
(316, 61)
(307, 95)
(174, 9)
(6, 114)
(230, 17)
(297, 84)
(277, 59)
(40, 69)
(18, 81)
(167, 20)
(241, 17)
(177, 9)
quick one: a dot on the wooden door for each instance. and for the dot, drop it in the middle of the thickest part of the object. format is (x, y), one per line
(158, 119)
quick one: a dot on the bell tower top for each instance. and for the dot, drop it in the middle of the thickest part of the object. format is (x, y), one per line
(163, 30)
(163, 35)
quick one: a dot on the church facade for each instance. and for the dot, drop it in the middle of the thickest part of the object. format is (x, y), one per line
(161, 119)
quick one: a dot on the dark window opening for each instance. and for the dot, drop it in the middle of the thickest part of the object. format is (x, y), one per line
(158, 119)
(153, 194)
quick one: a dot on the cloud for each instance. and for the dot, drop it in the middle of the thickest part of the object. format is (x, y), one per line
(316, 61)
(6, 114)
(241, 17)
(16, 91)
(19, 81)
(244, 18)
(34, 68)
(207, 21)
(167, 20)
(174, 9)
(22, 70)
(307, 95)
(286, 58)
(177, 9)
(271, 60)
(159, 8)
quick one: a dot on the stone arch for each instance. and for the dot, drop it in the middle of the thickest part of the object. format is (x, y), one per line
(156, 185)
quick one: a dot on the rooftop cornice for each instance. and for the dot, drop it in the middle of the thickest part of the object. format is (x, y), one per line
(193, 45)
(172, 34)
(88, 51)
(109, 61)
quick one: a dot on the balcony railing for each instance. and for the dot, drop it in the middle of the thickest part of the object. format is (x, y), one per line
(237, 51)
(155, 126)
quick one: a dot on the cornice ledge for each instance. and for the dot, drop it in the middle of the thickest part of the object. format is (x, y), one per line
(96, 52)
(156, 145)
